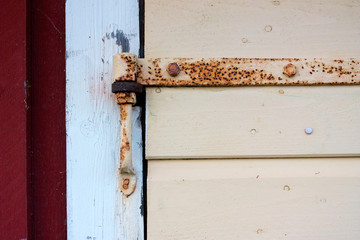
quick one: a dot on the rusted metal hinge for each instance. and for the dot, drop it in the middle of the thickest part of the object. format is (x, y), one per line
(131, 73)
(209, 72)
(125, 87)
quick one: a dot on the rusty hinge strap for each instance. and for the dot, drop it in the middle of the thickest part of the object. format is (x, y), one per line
(214, 72)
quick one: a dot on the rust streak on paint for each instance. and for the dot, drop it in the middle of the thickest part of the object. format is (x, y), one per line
(125, 67)
(248, 71)
(125, 143)
(125, 147)
(123, 112)
(130, 69)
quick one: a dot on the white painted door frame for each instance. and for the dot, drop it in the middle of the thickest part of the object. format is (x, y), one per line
(95, 31)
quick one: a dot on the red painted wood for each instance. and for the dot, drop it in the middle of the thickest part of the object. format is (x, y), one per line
(48, 119)
(32, 188)
(13, 120)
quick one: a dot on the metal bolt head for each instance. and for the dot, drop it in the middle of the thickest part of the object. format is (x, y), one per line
(173, 69)
(289, 70)
(308, 130)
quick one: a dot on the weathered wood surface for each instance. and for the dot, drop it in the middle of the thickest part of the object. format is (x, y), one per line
(254, 199)
(225, 199)
(95, 31)
(253, 122)
(247, 28)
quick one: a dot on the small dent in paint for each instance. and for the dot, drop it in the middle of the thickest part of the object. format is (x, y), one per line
(286, 188)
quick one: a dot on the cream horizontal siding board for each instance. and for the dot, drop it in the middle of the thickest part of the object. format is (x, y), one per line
(292, 199)
(247, 28)
(253, 122)
(95, 31)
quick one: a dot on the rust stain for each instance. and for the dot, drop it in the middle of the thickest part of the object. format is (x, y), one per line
(131, 68)
(173, 69)
(249, 71)
(125, 142)
(123, 113)
(124, 146)
(289, 70)
(126, 182)
(125, 98)
(123, 150)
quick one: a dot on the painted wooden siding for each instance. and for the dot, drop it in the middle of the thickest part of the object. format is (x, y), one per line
(254, 199)
(290, 198)
(95, 31)
(251, 122)
(245, 28)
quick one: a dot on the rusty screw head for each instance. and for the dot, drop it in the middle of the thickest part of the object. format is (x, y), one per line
(126, 183)
(173, 69)
(289, 70)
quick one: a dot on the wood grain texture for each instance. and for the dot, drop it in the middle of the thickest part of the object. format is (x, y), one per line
(265, 28)
(252, 122)
(254, 199)
(95, 31)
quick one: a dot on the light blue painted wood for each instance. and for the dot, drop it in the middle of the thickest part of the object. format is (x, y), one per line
(95, 31)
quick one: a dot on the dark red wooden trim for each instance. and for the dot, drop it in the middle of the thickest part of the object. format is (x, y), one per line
(48, 119)
(14, 120)
(32, 133)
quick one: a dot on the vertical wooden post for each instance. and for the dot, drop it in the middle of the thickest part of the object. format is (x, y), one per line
(97, 209)
(14, 121)
(48, 119)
